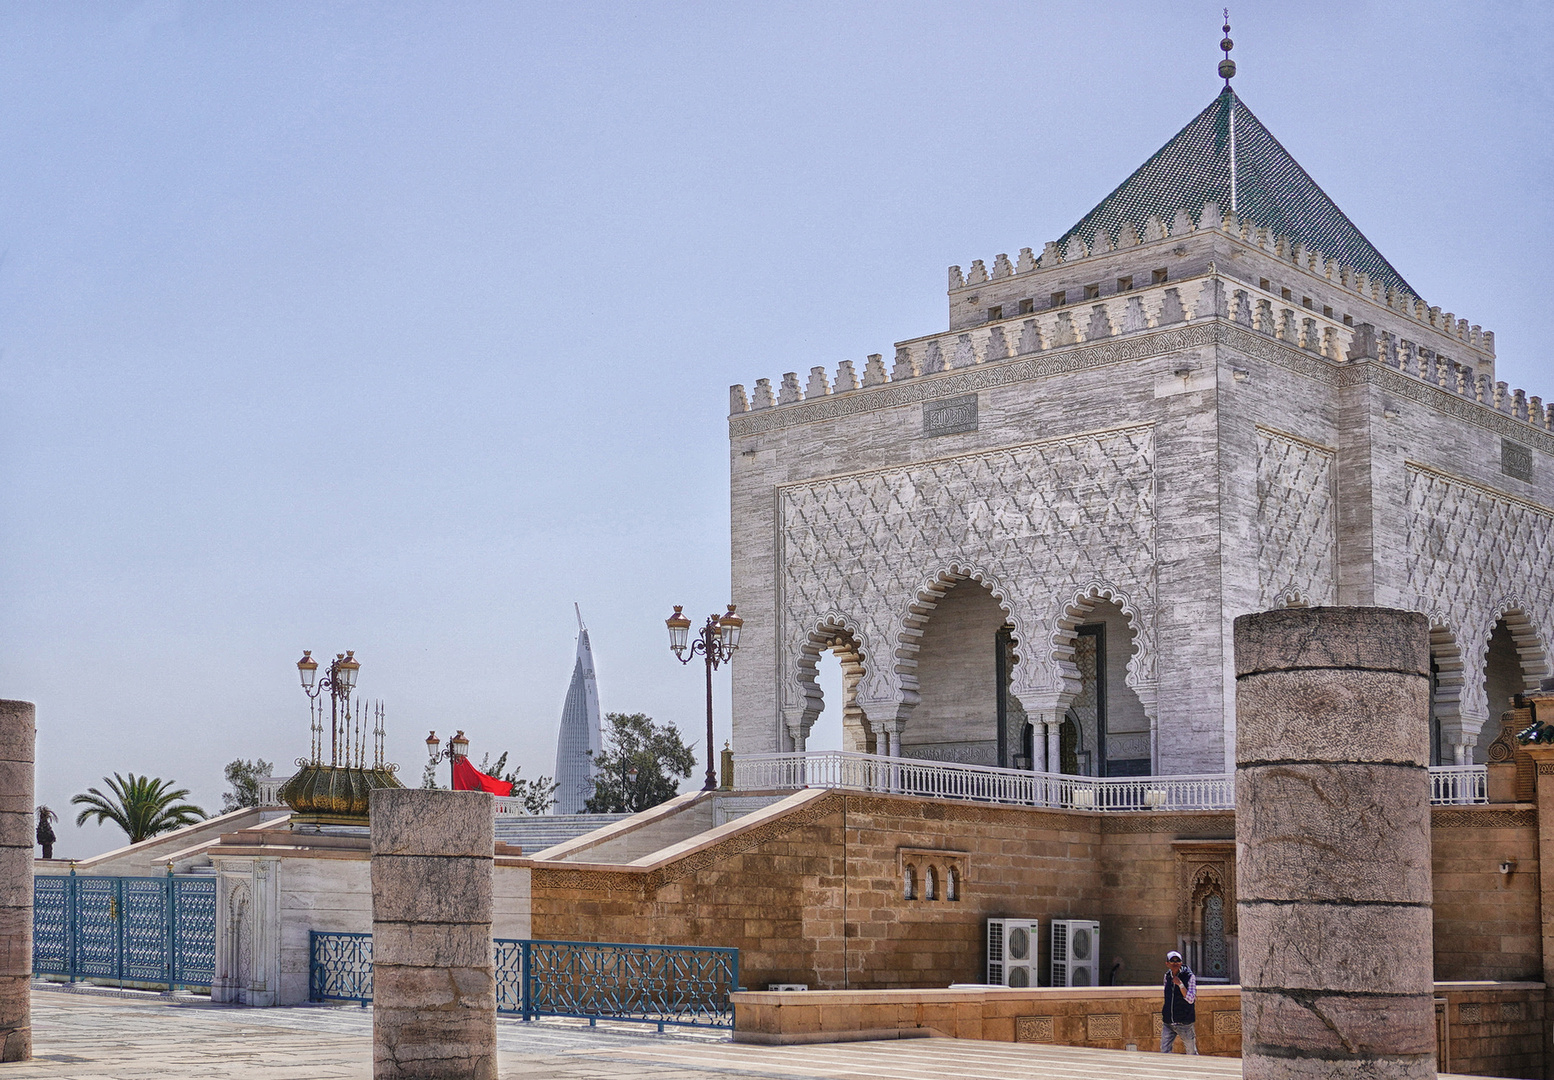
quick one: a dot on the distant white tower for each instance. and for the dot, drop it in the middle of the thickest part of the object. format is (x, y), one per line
(581, 731)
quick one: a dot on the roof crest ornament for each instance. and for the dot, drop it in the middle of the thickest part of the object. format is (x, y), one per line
(1227, 66)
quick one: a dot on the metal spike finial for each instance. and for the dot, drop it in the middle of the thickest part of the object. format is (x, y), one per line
(1227, 66)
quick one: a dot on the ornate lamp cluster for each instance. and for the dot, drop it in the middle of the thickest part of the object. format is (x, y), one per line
(337, 793)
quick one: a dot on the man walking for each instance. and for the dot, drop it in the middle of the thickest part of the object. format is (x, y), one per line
(1179, 1014)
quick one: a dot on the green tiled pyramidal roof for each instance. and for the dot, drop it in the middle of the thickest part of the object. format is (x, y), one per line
(1272, 190)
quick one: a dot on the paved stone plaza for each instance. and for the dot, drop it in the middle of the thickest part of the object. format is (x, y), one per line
(97, 1037)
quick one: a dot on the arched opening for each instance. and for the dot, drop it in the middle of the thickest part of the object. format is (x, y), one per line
(1445, 695)
(952, 884)
(909, 882)
(1513, 662)
(831, 665)
(826, 732)
(964, 661)
(931, 883)
(1105, 731)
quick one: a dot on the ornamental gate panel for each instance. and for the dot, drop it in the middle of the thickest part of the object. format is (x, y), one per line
(140, 930)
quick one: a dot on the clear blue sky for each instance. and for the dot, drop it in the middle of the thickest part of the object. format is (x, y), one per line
(400, 327)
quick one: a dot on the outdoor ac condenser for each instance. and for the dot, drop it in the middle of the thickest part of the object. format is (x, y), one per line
(1011, 951)
(1076, 950)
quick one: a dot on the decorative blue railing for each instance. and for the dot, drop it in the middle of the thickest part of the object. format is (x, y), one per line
(143, 930)
(593, 980)
(339, 967)
(589, 980)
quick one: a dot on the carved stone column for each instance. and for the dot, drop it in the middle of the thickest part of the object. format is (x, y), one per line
(17, 824)
(1333, 839)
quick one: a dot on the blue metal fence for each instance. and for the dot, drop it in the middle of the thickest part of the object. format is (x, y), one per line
(600, 980)
(590, 980)
(143, 930)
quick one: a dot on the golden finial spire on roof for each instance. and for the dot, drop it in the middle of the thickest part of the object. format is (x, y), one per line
(1227, 66)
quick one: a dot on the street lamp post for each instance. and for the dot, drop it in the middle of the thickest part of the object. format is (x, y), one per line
(458, 746)
(715, 642)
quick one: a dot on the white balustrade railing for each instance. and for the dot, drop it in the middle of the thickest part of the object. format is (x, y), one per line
(507, 804)
(1455, 785)
(1451, 784)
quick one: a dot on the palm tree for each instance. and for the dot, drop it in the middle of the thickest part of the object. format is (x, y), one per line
(143, 806)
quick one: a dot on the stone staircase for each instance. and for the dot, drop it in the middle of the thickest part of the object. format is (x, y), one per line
(535, 833)
(640, 837)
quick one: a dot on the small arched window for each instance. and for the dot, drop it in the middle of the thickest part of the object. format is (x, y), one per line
(931, 883)
(952, 884)
(909, 882)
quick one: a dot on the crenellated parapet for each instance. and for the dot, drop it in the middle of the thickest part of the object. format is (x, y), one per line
(1217, 267)
(1080, 254)
(1208, 296)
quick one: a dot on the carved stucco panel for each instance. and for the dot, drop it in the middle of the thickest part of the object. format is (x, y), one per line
(1296, 514)
(1039, 523)
(1474, 554)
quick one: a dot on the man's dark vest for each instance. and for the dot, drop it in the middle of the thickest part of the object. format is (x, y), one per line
(1177, 1009)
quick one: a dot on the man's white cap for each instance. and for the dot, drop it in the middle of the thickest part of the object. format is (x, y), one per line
(1173, 955)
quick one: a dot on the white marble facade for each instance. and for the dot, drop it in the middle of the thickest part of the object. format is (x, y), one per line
(1155, 435)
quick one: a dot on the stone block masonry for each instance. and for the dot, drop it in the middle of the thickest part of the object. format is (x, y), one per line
(17, 735)
(434, 987)
(1333, 834)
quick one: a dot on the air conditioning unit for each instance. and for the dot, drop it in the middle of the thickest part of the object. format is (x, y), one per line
(1011, 951)
(1076, 951)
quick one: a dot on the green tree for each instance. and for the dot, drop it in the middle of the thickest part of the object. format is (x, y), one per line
(46, 837)
(535, 796)
(244, 776)
(641, 765)
(143, 806)
(429, 777)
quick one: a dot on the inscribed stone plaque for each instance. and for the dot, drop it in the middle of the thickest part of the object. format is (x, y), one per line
(1037, 1029)
(950, 415)
(1227, 1022)
(1159, 1024)
(1103, 1026)
(1515, 459)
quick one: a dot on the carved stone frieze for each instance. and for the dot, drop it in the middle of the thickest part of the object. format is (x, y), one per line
(1467, 544)
(1039, 522)
(1296, 513)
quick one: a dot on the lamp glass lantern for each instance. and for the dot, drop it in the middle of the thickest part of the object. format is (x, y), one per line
(679, 629)
(307, 667)
(432, 745)
(347, 669)
(728, 630)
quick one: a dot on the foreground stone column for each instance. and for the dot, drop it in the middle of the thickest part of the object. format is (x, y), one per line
(1333, 843)
(433, 984)
(17, 824)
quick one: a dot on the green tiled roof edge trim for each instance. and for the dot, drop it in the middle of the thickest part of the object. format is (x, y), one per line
(1272, 191)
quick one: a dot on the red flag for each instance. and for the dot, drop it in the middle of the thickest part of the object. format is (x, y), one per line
(468, 778)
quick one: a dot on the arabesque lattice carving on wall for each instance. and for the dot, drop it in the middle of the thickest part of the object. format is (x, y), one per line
(1038, 523)
(1296, 508)
(1470, 551)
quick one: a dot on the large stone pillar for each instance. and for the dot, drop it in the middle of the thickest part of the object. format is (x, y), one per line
(433, 983)
(17, 836)
(1333, 843)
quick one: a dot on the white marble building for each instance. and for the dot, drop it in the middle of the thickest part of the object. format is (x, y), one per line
(1026, 537)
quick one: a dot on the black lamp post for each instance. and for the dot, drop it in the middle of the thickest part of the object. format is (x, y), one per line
(716, 643)
(458, 746)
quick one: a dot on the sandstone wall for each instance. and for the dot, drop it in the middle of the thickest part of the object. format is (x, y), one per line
(777, 891)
